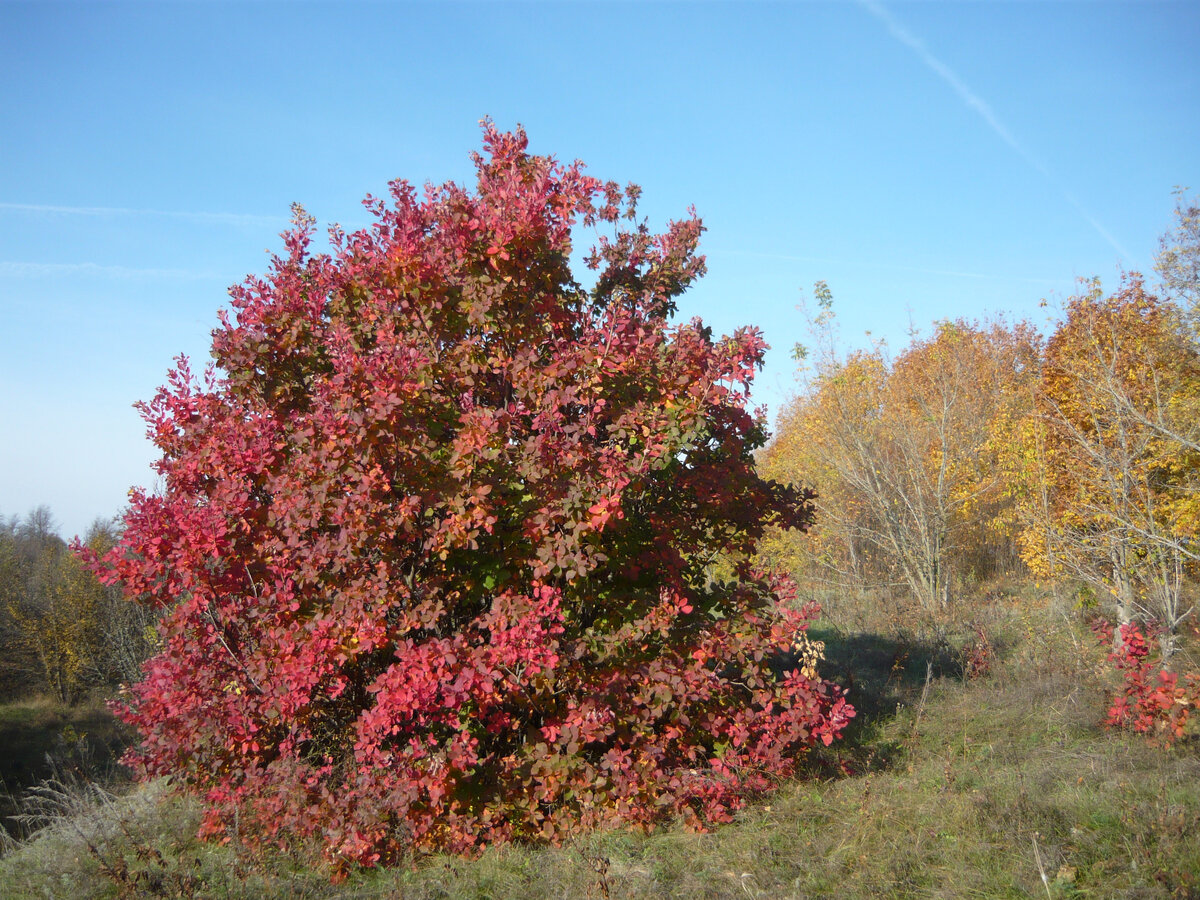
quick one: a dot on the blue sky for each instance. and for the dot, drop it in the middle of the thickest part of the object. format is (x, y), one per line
(929, 160)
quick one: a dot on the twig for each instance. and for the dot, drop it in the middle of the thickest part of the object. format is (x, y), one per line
(1037, 855)
(598, 864)
(912, 738)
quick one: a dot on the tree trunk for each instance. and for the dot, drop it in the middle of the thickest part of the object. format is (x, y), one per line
(1168, 643)
(1122, 590)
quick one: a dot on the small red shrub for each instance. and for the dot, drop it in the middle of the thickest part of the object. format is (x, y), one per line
(978, 655)
(1152, 700)
(437, 543)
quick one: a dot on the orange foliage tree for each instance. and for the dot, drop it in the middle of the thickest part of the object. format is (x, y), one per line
(1114, 454)
(903, 457)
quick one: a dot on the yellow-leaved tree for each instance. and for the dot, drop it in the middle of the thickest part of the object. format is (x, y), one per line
(62, 630)
(1112, 456)
(903, 457)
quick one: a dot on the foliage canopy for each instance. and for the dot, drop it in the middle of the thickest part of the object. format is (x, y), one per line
(437, 536)
(1117, 438)
(904, 455)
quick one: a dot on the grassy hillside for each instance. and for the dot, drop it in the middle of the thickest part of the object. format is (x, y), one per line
(1000, 785)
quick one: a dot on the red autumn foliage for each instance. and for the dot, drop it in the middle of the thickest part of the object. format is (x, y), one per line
(1152, 701)
(437, 537)
(978, 654)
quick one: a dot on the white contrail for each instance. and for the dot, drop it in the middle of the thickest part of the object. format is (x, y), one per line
(977, 103)
(204, 217)
(42, 270)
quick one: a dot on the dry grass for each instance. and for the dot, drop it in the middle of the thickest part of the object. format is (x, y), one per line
(1003, 786)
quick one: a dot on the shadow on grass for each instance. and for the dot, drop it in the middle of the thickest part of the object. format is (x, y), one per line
(882, 674)
(38, 735)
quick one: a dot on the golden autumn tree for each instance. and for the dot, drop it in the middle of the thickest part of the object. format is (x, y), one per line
(63, 630)
(1115, 445)
(902, 455)
(804, 451)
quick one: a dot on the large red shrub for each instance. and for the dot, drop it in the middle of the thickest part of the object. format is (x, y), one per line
(438, 537)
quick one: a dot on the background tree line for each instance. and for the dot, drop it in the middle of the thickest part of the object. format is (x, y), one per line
(987, 449)
(61, 631)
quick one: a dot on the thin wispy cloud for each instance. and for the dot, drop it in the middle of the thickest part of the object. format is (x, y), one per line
(9, 269)
(891, 267)
(207, 218)
(985, 111)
